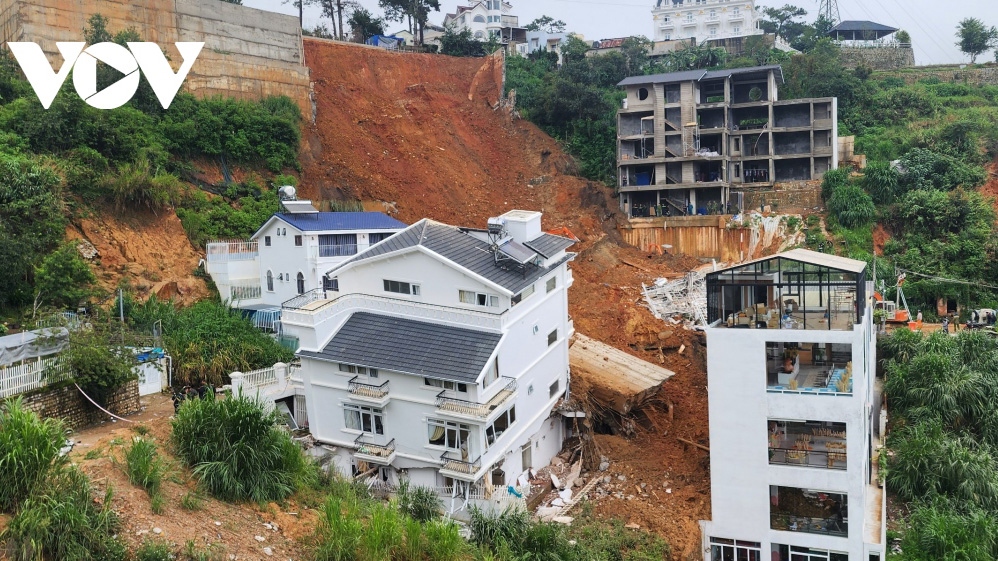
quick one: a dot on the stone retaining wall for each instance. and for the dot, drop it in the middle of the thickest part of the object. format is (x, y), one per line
(66, 403)
(790, 197)
(884, 58)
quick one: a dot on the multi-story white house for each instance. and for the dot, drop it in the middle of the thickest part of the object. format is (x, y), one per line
(289, 254)
(440, 354)
(704, 20)
(485, 18)
(795, 412)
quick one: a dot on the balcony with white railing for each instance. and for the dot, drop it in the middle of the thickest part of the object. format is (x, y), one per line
(369, 393)
(249, 290)
(374, 453)
(457, 466)
(226, 251)
(464, 409)
(314, 307)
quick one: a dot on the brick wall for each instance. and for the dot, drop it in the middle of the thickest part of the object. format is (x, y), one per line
(248, 53)
(787, 197)
(66, 403)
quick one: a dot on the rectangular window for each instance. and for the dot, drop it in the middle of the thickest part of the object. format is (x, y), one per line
(450, 435)
(784, 552)
(722, 549)
(492, 374)
(364, 419)
(266, 241)
(553, 389)
(446, 385)
(362, 370)
(478, 299)
(552, 283)
(401, 287)
(810, 511)
(523, 295)
(812, 444)
(552, 337)
(499, 426)
(337, 245)
(376, 237)
(332, 284)
(737, 29)
(297, 241)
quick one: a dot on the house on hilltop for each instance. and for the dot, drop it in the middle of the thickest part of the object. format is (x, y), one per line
(703, 21)
(487, 18)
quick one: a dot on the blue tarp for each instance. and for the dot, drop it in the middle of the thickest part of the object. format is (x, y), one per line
(387, 41)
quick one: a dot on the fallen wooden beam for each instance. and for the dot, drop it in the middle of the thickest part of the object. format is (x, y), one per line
(635, 265)
(691, 443)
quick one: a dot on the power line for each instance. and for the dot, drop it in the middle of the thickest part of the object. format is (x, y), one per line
(919, 24)
(944, 279)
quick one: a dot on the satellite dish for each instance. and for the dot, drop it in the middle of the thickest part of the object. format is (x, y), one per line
(287, 193)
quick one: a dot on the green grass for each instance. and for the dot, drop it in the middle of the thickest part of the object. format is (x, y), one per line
(144, 466)
(157, 503)
(237, 452)
(29, 452)
(154, 550)
(193, 552)
(192, 500)
(93, 454)
(141, 430)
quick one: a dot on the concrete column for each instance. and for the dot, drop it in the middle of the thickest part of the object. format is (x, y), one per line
(281, 373)
(237, 383)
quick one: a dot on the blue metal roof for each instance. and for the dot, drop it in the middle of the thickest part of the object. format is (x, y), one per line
(322, 221)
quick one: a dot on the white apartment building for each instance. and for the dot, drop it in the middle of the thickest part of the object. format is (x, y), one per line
(704, 20)
(289, 254)
(795, 412)
(440, 355)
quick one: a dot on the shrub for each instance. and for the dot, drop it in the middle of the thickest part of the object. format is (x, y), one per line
(383, 537)
(338, 533)
(851, 206)
(881, 181)
(237, 451)
(144, 466)
(154, 550)
(29, 452)
(62, 520)
(192, 500)
(832, 180)
(941, 531)
(137, 184)
(420, 503)
(99, 369)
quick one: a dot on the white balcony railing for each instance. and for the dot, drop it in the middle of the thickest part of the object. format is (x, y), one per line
(320, 312)
(244, 292)
(225, 251)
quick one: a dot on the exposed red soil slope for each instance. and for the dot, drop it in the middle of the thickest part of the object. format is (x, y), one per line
(419, 133)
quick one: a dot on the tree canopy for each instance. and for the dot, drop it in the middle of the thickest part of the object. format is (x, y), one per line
(975, 38)
(546, 24)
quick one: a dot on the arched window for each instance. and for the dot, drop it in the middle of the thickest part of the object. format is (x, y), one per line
(270, 281)
(479, 19)
(301, 283)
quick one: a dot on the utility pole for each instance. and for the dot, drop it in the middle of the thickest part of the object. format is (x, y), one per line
(830, 9)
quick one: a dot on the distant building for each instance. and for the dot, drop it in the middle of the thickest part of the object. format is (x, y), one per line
(543, 41)
(871, 44)
(686, 140)
(656, 49)
(485, 18)
(431, 35)
(860, 31)
(704, 19)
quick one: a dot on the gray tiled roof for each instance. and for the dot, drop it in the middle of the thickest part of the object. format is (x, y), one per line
(549, 244)
(411, 347)
(460, 248)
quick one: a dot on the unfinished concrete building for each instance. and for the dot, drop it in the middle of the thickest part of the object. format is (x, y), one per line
(690, 142)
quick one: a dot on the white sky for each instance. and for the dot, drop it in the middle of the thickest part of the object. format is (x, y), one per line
(932, 24)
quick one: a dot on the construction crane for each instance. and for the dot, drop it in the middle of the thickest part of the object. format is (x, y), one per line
(829, 9)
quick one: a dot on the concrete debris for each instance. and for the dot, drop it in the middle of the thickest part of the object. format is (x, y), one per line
(566, 520)
(260, 538)
(157, 531)
(565, 495)
(685, 297)
(604, 463)
(268, 552)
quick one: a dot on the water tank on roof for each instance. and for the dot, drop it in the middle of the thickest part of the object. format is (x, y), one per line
(287, 193)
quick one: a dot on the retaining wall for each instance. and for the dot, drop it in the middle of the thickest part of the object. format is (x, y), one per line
(66, 403)
(248, 53)
(704, 237)
(882, 58)
(790, 197)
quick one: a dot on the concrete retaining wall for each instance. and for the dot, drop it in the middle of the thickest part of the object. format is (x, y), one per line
(66, 403)
(885, 58)
(791, 197)
(248, 53)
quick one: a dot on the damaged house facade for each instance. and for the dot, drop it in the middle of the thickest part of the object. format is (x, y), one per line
(689, 142)
(440, 355)
(795, 412)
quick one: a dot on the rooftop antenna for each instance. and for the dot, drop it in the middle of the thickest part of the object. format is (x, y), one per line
(830, 9)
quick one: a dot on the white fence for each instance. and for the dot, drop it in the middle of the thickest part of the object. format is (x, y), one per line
(32, 375)
(225, 251)
(245, 292)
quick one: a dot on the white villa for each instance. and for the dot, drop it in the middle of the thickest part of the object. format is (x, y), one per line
(437, 355)
(289, 254)
(704, 20)
(795, 412)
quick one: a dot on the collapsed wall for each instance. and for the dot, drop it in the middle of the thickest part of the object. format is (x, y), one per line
(248, 53)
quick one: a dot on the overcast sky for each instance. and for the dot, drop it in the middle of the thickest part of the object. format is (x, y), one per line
(932, 24)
